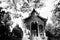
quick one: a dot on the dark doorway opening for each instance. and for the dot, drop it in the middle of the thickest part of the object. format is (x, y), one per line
(34, 28)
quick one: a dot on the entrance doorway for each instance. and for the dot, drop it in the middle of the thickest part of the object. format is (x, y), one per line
(34, 29)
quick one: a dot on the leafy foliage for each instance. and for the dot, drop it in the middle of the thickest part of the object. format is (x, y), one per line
(5, 33)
